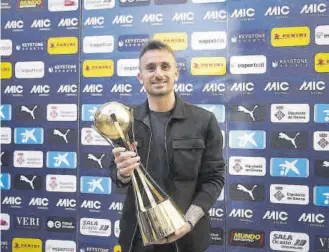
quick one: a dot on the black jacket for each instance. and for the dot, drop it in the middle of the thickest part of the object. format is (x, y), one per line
(194, 150)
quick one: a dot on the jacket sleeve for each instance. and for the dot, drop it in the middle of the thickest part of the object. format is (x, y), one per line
(211, 175)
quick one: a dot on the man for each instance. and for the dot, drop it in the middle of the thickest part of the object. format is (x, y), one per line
(181, 147)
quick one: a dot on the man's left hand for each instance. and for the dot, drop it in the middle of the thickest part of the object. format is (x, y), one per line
(179, 233)
(174, 237)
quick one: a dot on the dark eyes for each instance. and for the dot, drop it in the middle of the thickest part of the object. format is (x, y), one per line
(153, 67)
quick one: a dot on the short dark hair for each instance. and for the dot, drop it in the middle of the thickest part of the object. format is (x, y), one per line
(155, 45)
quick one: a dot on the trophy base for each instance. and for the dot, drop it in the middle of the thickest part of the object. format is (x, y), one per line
(159, 222)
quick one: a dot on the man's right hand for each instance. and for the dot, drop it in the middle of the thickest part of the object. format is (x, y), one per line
(126, 161)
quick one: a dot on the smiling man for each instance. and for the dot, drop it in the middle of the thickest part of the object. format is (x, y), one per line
(181, 147)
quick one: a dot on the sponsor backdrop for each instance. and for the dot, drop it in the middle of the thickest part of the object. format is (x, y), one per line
(262, 68)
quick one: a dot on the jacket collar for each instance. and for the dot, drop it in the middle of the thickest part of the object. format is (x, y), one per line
(142, 111)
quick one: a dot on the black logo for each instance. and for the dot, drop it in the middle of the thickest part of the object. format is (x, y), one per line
(160, 2)
(247, 238)
(96, 160)
(5, 5)
(125, 3)
(247, 113)
(216, 236)
(322, 168)
(4, 246)
(322, 243)
(4, 158)
(27, 222)
(62, 136)
(244, 191)
(95, 247)
(181, 65)
(27, 182)
(289, 139)
(30, 112)
(61, 224)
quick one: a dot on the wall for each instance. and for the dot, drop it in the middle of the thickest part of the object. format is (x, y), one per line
(261, 67)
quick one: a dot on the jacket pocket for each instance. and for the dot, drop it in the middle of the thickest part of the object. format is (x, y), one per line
(187, 154)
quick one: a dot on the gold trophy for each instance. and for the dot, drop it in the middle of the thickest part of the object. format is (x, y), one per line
(158, 217)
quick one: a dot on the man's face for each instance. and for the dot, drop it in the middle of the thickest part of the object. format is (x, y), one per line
(158, 72)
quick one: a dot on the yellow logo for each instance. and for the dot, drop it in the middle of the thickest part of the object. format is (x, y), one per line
(208, 66)
(63, 45)
(98, 68)
(6, 70)
(30, 3)
(26, 245)
(247, 236)
(176, 40)
(321, 62)
(290, 36)
(117, 248)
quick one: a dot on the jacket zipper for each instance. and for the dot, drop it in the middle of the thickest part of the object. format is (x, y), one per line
(147, 161)
(148, 152)
(166, 143)
(131, 242)
(177, 250)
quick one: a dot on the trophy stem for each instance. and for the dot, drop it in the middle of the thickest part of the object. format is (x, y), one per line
(154, 190)
(141, 175)
(136, 187)
(149, 180)
(147, 190)
(138, 193)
